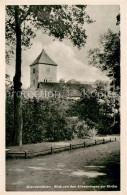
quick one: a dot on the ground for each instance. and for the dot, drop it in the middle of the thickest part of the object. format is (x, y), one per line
(93, 168)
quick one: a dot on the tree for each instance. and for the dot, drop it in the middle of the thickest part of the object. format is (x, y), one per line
(101, 86)
(96, 114)
(21, 23)
(73, 81)
(118, 19)
(107, 56)
(62, 80)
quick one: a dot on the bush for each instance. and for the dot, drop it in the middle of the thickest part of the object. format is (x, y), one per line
(96, 115)
(43, 120)
(58, 119)
(9, 120)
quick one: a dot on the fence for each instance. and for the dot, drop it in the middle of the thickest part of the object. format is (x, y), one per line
(52, 150)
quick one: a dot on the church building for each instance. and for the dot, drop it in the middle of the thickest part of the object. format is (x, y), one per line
(43, 70)
(43, 76)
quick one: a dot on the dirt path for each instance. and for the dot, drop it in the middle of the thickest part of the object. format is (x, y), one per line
(82, 169)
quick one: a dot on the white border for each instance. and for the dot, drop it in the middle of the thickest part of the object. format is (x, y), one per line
(123, 26)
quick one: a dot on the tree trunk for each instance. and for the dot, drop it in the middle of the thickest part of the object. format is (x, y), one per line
(17, 134)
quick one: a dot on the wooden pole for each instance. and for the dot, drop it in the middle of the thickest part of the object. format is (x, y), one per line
(25, 154)
(51, 150)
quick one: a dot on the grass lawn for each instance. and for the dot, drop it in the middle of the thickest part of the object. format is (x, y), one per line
(47, 145)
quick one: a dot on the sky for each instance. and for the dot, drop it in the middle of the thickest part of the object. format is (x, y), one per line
(72, 62)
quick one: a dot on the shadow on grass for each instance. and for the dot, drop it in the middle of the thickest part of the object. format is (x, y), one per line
(111, 181)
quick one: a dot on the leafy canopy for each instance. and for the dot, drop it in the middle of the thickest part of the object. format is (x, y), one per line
(60, 21)
(107, 57)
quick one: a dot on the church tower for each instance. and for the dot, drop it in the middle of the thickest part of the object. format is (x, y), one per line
(43, 70)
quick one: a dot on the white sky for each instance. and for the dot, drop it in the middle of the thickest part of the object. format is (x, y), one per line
(72, 63)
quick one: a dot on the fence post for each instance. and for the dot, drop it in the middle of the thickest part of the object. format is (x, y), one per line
(95, 142)
(103, 140)
(70, 146)
(84, 144)
(115, 138)
(25, 154)
(51, 150)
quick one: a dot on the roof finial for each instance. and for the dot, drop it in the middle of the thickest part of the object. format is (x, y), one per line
(42, 47)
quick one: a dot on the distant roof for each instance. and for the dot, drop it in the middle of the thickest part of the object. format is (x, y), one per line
(43, 58)
(67, 89)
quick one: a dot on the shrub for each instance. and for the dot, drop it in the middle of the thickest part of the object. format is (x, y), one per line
(9, 120)
(43, 120)
(96, 115)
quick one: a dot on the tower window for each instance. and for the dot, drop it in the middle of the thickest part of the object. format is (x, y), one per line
(33, 70)
(33, 82)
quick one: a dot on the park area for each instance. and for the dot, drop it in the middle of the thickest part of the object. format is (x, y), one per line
(96, 168)
(62, 103)
(44, 148)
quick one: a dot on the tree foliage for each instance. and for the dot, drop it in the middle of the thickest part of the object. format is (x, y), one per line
(96, 114)
(60, 21)
(43, 120)
(107, 56)
(118, 19)
(73, 81)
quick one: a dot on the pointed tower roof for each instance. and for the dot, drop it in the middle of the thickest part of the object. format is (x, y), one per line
(43, 58)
